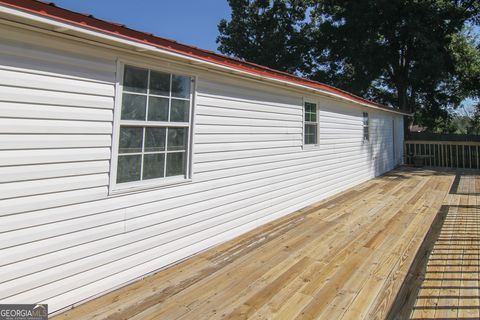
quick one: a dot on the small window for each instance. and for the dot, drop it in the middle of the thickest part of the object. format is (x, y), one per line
(366, 135)
(310, 130)
(153, 138)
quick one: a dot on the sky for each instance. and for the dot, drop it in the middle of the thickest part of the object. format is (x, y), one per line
(192, 22)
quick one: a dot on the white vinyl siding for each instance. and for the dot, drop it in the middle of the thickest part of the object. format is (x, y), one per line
(64, 239)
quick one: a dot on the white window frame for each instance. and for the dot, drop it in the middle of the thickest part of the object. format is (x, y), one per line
(365, 140)
(316, 145)
(116, 188)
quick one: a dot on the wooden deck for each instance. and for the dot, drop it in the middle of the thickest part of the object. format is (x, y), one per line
(343, 258)
(446, 283)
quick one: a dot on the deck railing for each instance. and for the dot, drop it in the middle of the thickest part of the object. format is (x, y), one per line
(447, 154)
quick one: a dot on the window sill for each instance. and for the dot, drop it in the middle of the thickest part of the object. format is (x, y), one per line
(310, 146)
(142, 186)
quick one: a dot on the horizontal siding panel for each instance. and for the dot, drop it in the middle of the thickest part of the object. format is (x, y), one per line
(42, 52)
(327, 160)
(8, 125)
(44, 186)
(229, 121)
(227, 147)
(253, 161)
(33, 96)
(221, 129)
(341, 117)
(52, 141)
(338, 134)
(226, 138)
(35, 58)
(226, 112)
(247, 92)
(55, 170)
(22, 157)
(258, 106)
(29, 111)
(59, 228)
(51, 68)
(36, 81)
(44, 201)
(333, 126)
(221, 156)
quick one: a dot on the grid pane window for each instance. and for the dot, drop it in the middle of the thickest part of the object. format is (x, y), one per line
(154, 125)
(366, 135)
(310, 130)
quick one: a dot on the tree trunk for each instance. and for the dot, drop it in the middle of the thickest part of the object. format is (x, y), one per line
(402, 92)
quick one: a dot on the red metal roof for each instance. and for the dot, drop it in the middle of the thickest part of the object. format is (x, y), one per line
(85, 20)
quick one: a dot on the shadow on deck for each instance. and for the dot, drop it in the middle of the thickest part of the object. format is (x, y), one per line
(443, 282)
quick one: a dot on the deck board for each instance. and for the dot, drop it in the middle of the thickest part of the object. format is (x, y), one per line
(342, 258)
(447, 284)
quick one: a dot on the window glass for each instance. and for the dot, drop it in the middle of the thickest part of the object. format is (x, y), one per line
(310, 112)
(153, 165)
(177, 139)
(130, 139)
(157, 109)
(180, 87)
(310, 134)
(128, 168)
(180, 110)
(133, 107)
(366, 135)
(175, 164)
(155, 139)
(135, 79)
(160, 83)
(310, 130)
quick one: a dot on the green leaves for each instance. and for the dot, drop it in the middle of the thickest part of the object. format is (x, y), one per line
(412, 54)
(265, 32)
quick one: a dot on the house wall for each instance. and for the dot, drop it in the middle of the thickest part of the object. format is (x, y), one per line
(64, 239)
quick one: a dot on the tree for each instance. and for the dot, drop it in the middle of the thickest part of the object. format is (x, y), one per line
(265, 32)
(412, 54)
(474, 125)
(401, 52)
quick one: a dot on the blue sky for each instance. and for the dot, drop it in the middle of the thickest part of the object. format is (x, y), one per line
(191, 22)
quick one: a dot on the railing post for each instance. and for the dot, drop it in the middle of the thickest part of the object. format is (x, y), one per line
(441, 156)
(457, 164)
(476, 155)
(469, 157)
(451, 155)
